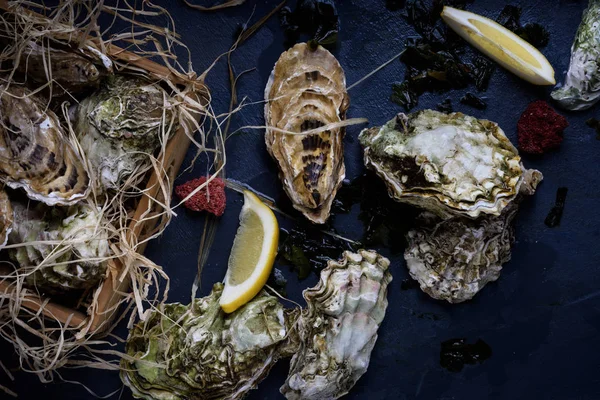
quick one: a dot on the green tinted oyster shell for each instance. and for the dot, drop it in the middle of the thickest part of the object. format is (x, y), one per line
(338, 329)
(448, 164)
(199, 352)
(76, 258)
(121, 124)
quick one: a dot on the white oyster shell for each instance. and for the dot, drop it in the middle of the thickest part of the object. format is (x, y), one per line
(449, 164)
(307, 90)
(339, 327)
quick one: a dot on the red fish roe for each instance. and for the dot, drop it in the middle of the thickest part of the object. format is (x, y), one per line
(211, 198)
(540, 128)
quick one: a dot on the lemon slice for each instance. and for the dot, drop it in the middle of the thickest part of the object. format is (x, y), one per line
(252, 254)
(502, 45)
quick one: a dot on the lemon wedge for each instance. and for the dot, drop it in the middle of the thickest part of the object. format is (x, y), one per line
(252, 254)
(502, 45)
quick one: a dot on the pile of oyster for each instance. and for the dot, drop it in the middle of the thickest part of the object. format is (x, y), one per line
(199, 352)
(59, 238)
(306, 91)
(468, 178)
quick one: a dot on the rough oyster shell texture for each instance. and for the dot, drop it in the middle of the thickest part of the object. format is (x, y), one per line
(6, 218)
(77, 262)
(121, 124)
(200, 352)
(307, 90)
(35, 153)
(339, 327)
(449, 164)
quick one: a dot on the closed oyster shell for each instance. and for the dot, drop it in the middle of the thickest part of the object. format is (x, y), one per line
(35, 153)
(339, 327)
(77, 262)
(120, 125)
(307, 90)
(448, 164)
(6, 218)
(199, 352)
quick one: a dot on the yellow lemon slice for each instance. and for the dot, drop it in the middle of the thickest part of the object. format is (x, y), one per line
(501, 45)
(252, 254)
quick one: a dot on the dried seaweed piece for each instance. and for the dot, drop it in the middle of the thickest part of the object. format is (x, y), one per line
(534, 33)
(455, 353)
(394, 5)
(474, 101)
(482, 71)
(595, 124)
(445, 106)
(555, 214)
(317, 18)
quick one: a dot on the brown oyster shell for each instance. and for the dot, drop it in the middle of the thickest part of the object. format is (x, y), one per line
(6, 218)
(35, 153)
(306, 90)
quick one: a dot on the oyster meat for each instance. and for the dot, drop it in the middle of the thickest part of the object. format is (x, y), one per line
(199, 352)
(121, 125)
(448, 164)
(339, 327)
(454, 259)
(581, 89)
(6, 218)
(307, 90)
(65, 247)
(35, 152)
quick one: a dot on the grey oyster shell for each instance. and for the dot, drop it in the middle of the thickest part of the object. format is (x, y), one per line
(199, 352)
(6, 218)
(120, 125)
(307, 90)
(35, 153)
(581, 89)
(339, 327)
(454, 259)
(448, 164)
(76, 259)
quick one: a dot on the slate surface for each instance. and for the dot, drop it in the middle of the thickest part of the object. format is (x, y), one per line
(541, 319)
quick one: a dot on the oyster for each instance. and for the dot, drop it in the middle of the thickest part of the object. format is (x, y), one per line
(581, 89)
(35, 153)
(454, 259)
(307, 90)
(76, 262)
(339, 327)
(199, 352)
(6, 218)
(449, 164)
(121, 124)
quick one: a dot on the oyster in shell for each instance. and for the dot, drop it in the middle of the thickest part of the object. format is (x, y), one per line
(200, 352)
(307, 90)
(35, 153)
(449, 164)
(121, 124)
(454, 259)
(339, 327)
(76, 262)
(6, 218)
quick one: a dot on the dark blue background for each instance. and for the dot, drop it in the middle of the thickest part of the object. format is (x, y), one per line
(541, 318)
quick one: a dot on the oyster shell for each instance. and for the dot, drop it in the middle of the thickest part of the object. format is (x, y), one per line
(199, 352)
(338, 329)
(35, 153)
(454, 259)
(76, 262)
(121, 124)
(6, 218)
(307, 90)
(449, 164)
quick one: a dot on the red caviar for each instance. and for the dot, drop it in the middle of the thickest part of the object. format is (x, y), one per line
(210, 198)
(540, 128)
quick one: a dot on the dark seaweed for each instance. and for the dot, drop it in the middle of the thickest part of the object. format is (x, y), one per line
(534, 33)
(394, 5)
(482, 71)
(307, 249)
(595, 124)
(316, 18)
(445, 106)
(474, 101)
(455, 353)
(555, 214)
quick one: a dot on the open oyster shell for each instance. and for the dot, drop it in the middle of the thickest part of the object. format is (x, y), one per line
(448, 164)
(6, 218)
(454, 259)
(199, 352)
(307, 90)
(35, 152)
(121, 125)
(339, 327)
(76, 258)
